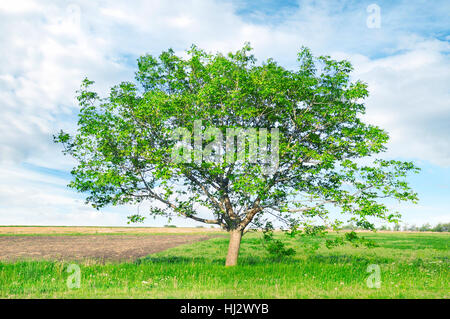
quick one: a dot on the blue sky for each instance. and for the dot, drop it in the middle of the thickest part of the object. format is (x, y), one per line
(48, 47)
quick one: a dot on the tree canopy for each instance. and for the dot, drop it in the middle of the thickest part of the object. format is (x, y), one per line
(308, 119)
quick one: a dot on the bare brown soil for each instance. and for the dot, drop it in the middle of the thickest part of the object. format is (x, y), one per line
(98, 247)
(50, 230)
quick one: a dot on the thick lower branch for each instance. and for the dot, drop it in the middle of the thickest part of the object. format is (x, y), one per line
(250, 214)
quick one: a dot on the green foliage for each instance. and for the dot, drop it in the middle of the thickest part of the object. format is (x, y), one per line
(135, 219)
(275, 247)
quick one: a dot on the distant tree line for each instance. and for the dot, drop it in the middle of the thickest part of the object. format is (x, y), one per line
(441, 227)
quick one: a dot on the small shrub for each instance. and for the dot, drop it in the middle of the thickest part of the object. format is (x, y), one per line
(275, 247)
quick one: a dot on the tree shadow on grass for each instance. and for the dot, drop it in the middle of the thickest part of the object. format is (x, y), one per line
(247, 260)
(177, 260)
(348, 259)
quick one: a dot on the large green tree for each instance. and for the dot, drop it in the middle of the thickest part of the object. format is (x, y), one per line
(309, 118)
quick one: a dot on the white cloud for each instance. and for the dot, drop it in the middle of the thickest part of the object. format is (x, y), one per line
(33, 198)
(409, 97)
(19, 6)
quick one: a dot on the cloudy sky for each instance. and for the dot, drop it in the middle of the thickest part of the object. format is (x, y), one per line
(48, 47)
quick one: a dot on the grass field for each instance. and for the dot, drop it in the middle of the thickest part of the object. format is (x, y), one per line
(412, 265)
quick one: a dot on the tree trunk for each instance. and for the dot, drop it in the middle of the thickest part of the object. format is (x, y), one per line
(233, 247)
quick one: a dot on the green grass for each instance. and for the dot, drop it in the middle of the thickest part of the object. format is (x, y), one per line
(413, 265)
